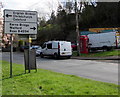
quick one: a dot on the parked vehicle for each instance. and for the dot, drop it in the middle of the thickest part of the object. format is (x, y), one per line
(34, 47)
(56, 49)
(38, 51)
(104, 41)
(22, 48)
(74, 46)
(7, 49)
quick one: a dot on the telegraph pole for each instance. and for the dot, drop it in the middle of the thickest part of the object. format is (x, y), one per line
(77, 29)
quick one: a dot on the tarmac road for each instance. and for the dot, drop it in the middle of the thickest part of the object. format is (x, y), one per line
(96, 70)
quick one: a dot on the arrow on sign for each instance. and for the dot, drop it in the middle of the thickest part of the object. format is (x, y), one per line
(7, 15)
(33, 28)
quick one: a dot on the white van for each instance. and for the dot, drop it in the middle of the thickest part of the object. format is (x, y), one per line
(103, 41)
(56, 49)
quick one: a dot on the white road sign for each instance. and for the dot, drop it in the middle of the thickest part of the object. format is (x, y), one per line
(20, 22)
(20, 28)
(20, 16)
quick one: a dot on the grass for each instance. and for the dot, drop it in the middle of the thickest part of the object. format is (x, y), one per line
(45, 82)
(100, 54)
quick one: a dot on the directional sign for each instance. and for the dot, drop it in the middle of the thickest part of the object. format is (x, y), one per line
(20, 22)
(20, 28)
(20, 16)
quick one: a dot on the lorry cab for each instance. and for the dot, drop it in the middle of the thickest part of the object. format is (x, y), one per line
(56, 49)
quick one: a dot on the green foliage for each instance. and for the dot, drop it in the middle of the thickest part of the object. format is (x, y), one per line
(105, 14)
(63, 25)
(49, 32)
(45, 82)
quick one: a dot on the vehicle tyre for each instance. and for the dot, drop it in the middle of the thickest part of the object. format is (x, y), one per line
(41, 55)
(105, 48)
(68, 57)
(93, 50)
(56, 56)
(37, 55)
(109, 48)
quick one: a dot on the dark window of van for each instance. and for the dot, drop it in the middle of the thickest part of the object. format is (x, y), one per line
(49, 46)
(44, 45)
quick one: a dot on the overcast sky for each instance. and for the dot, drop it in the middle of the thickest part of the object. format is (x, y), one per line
(32, 4)
(44, 7)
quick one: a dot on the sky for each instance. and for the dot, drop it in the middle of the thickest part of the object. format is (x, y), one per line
(43, 7)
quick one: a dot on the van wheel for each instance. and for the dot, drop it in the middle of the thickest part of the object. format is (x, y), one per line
(109, 48)
(41, 55)
(104, 48)
(68, 57)
(56, 56)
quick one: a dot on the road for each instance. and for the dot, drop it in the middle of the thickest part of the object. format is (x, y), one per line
(96, 70)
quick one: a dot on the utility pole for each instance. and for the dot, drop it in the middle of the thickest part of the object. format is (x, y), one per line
(1, 6)
(1, 24)
(77, 29)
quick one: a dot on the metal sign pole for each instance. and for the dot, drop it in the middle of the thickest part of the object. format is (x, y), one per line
(29, 53)
(11, 55)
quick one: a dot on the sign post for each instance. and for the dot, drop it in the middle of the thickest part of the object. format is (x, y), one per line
(19, 22)
(29, 53)
(11, 55)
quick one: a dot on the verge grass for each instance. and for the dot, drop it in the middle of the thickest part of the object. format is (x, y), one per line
(100, 54)
(45, 82)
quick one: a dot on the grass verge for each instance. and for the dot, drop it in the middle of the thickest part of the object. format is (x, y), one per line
(100, 54)
(45, 82)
